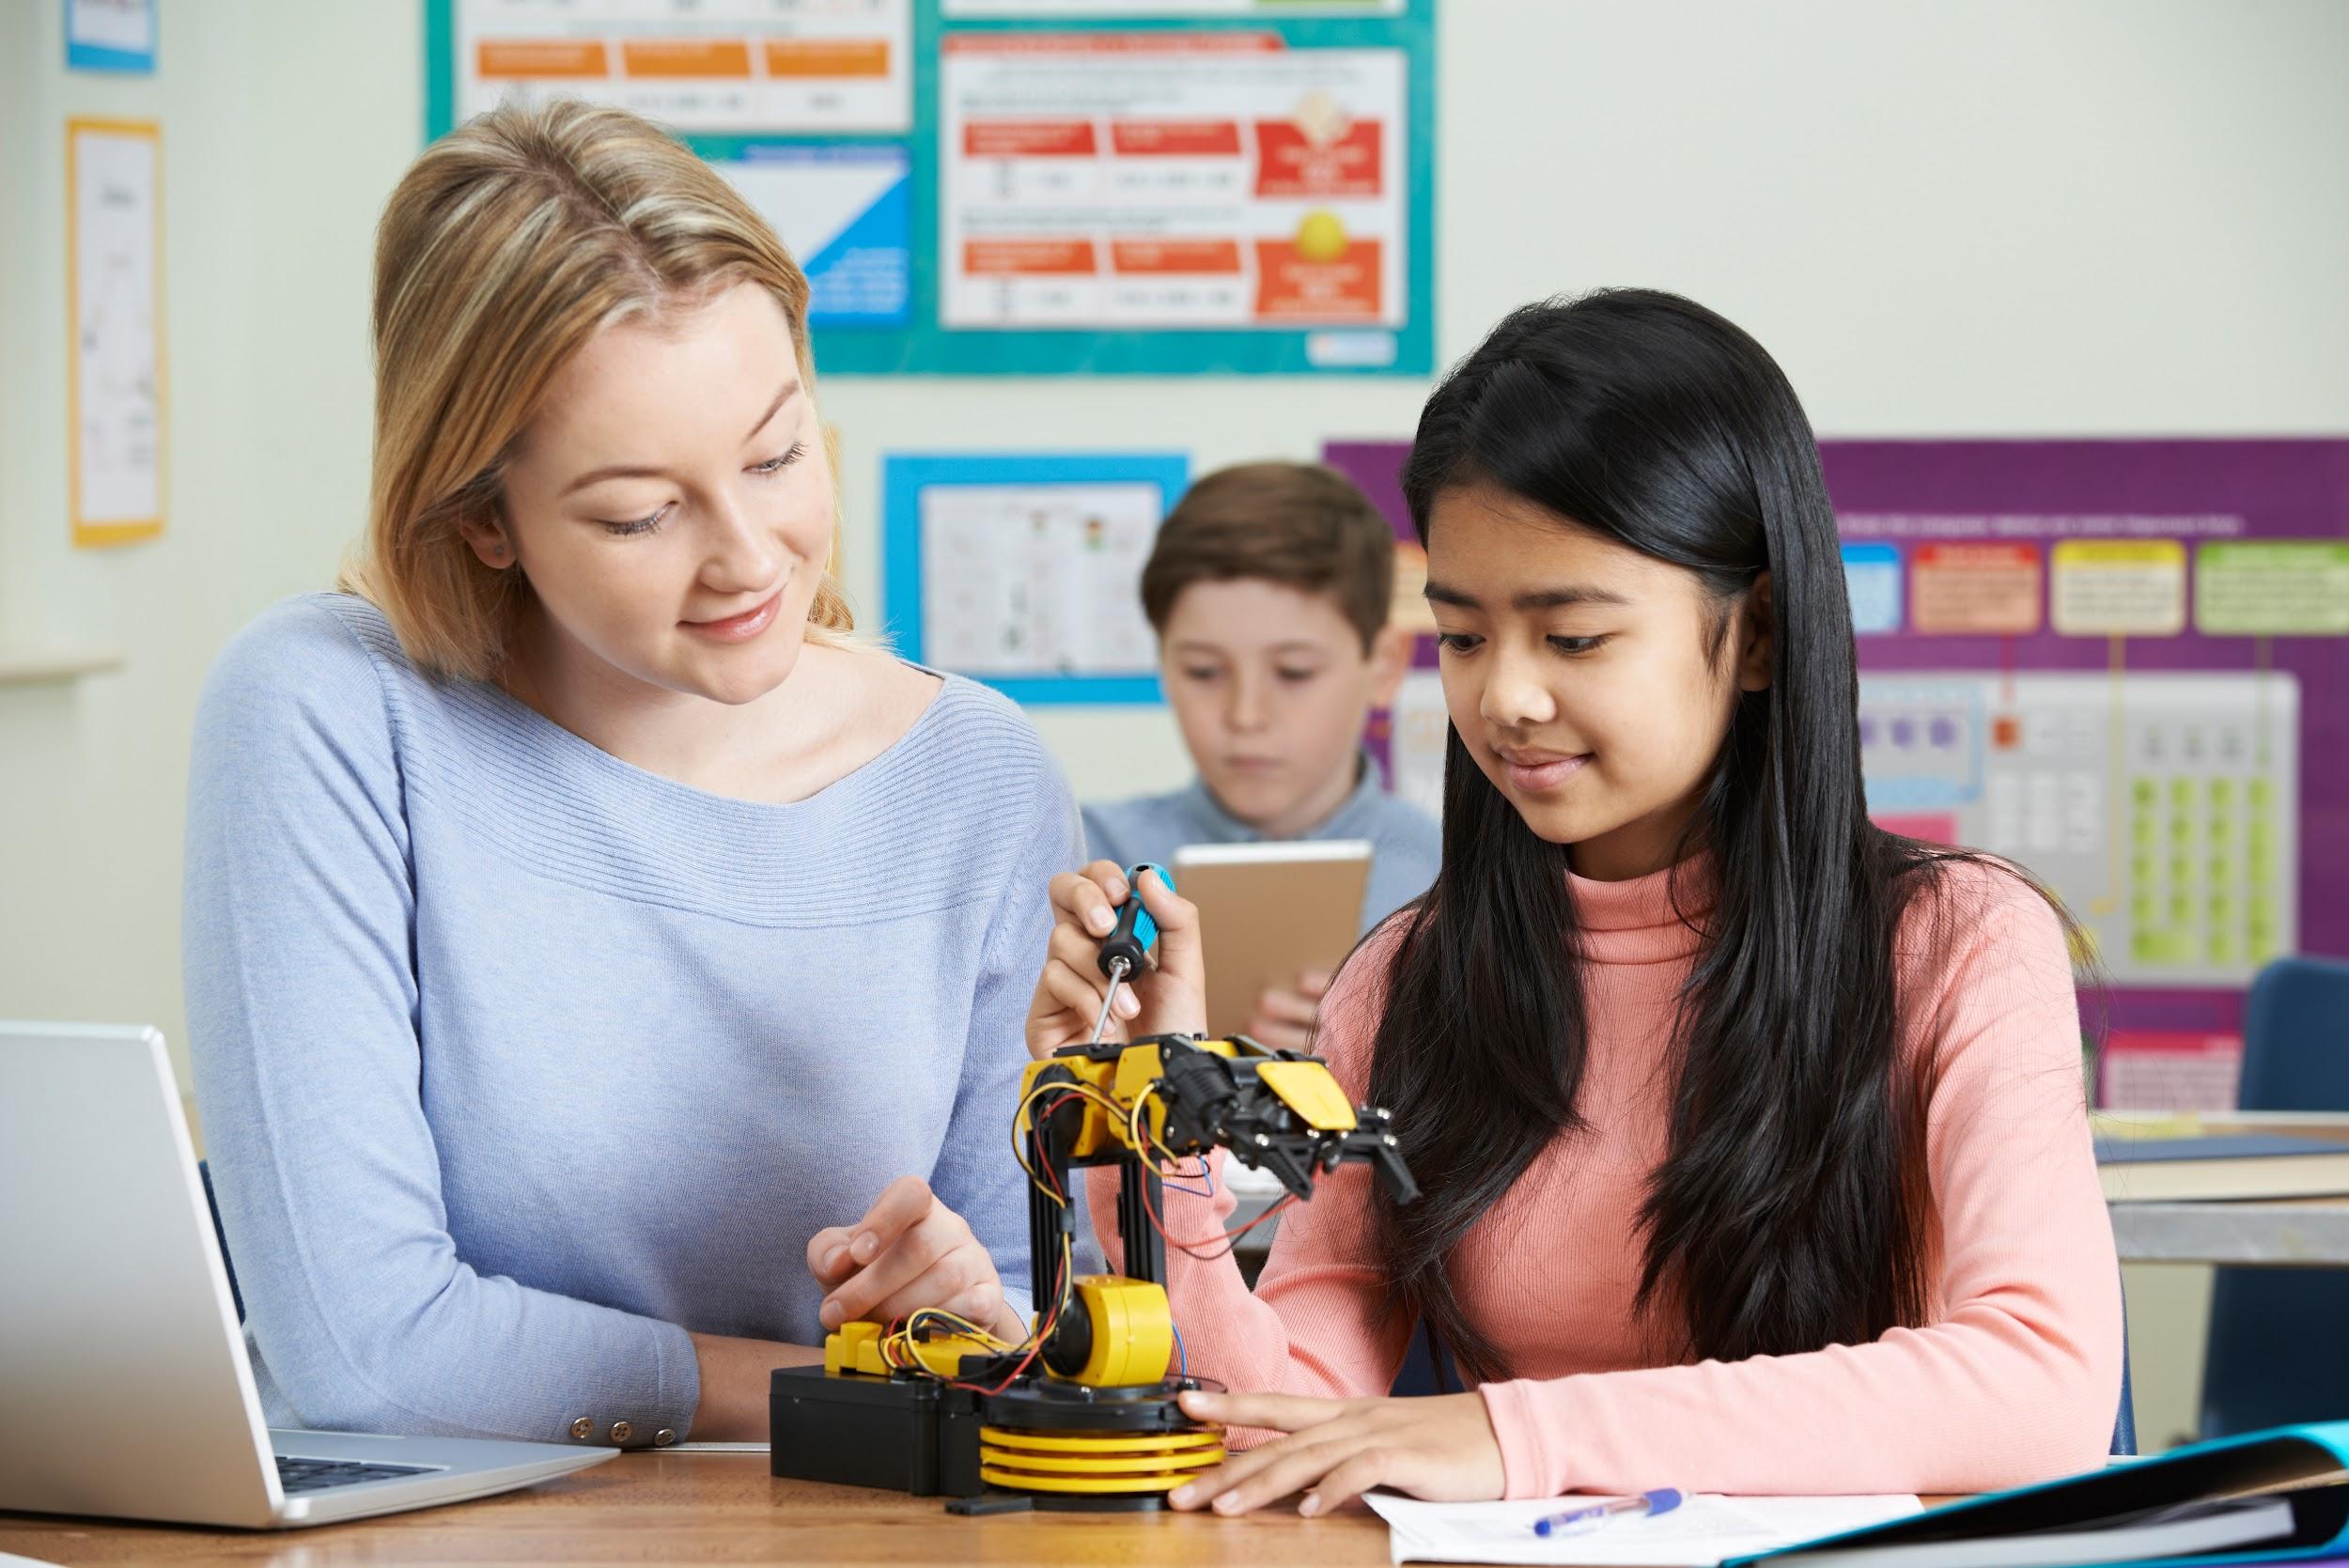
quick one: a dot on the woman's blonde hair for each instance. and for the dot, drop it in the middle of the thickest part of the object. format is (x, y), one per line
(513, 241)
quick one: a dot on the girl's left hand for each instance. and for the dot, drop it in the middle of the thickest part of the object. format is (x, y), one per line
(1440, 1447)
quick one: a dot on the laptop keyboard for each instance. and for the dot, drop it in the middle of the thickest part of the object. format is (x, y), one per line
(311, 1475)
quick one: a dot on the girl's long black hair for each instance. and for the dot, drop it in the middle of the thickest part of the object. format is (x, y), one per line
(1792, 1210)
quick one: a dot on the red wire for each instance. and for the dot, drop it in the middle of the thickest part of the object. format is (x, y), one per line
(1049, 1175)
(1044, 1332)
(1230, 1239)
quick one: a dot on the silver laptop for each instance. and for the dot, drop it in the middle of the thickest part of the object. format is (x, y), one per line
(127, 1390)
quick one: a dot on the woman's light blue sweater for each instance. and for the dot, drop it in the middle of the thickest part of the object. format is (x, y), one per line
(517, 1062)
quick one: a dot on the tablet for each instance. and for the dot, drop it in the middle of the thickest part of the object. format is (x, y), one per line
(1267, 911)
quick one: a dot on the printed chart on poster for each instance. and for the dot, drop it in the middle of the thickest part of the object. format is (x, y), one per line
(2117, 663)
(1025, 571)
(805, 105)
(819, 67)
(115, 364)
(1133, 10)
(1132, 181)
(1199, 186)
(994, 187)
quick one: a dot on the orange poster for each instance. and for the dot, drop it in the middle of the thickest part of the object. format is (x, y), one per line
(1230, 180)
(1974, 589)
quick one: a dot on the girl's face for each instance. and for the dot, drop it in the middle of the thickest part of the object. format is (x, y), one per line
(671, 502)
(1582, 675)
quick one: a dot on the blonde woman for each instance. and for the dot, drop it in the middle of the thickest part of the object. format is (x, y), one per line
(581, 927)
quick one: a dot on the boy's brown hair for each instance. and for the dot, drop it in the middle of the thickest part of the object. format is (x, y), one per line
(1301, 525)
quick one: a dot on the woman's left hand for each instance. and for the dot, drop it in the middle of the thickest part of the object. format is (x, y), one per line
(1440, 1447)
(909, 1251)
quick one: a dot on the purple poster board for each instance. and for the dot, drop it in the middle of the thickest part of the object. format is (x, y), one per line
(2101, 750)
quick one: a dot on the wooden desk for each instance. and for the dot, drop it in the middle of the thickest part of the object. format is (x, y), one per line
(2283, 1233)
(653, 1507)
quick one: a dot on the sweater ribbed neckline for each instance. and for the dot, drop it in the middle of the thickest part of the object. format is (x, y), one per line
(1652, 919)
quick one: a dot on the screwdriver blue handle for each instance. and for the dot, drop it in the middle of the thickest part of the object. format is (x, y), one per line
(1135, 932)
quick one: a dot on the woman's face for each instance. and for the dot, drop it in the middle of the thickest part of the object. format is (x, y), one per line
(1583, 675)
(671, 502)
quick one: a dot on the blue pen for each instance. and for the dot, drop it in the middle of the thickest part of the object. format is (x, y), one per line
(1579, 1521)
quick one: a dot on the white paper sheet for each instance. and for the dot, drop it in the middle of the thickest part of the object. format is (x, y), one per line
(118, 332)
(1037, 579)
(1699, 1533)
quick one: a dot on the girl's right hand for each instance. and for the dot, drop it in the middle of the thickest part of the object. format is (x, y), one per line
(1169, 997)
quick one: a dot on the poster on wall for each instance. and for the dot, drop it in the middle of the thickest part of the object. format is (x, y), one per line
(812, 66)
(1195, 180)
(1129, 11)
(114, 305)
(2117, 663)
(1024, 571)
(845, 211)
(111, 36)
(806, 107)
(1008, 189)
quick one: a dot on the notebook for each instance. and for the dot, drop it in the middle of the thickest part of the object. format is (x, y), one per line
(1698, 1534)
(2246, 1165)
(2304, 1468)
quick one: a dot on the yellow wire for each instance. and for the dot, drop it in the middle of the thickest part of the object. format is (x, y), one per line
(927, 1316)
(1134, 1135)
(1083, 1091)
(898, 1349)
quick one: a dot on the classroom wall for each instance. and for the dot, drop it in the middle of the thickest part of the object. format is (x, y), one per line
(2083, 217)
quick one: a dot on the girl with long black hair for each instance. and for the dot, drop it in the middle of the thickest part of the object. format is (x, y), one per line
(1752, 1137)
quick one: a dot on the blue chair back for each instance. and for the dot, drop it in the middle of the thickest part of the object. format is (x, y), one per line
(2277, 1354)
(2124, 1424)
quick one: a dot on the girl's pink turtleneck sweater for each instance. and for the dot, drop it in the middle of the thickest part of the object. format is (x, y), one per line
(2015, 1377)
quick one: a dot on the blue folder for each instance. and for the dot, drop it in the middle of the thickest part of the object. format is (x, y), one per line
(2228, 1465)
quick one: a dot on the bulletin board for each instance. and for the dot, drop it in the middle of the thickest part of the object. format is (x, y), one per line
(1024, 570)
(2120, 663)
(980, 187)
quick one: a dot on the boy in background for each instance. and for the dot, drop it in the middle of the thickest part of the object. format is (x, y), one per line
(1268, 587)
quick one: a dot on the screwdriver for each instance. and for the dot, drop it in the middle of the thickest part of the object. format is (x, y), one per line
(1123, 949)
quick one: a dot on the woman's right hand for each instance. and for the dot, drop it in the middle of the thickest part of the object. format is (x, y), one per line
(1169, 997)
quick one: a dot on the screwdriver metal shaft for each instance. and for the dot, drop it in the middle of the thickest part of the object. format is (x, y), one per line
(1117, 978)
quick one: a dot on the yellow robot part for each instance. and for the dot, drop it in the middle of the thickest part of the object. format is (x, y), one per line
(1312, 1091)
(1095, 1462)
(1133, 1333)
(856, 1347)
(1027, 1481)
(1091, 1442)
(1101, 1128)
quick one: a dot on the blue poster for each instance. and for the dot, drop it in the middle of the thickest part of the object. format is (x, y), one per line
(1024, 570)
(845, 211)
(110, 34)
(1871, 575)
